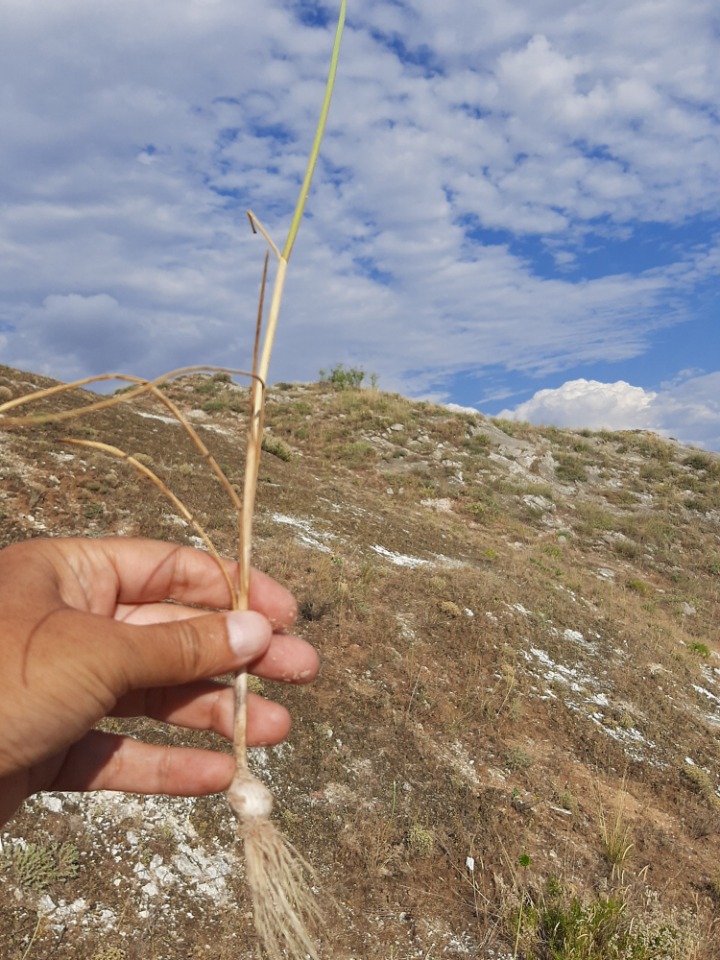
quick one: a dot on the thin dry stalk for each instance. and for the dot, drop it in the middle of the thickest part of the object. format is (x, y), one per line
(615, 834)
(283, 903)
(145, 386)
(175, 501)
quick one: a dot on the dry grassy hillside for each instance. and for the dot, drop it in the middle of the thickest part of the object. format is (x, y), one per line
(513, 747)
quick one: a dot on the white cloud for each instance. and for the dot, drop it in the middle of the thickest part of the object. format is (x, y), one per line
(688, 410)
(134, 135)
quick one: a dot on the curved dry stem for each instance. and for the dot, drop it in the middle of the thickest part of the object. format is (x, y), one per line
(145, 386)
(175, 501)
(104, 404)
(202, 448)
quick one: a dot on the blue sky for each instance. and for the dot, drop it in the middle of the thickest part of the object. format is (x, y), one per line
(517, 207)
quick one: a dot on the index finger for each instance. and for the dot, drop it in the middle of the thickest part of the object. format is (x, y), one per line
(151, 571)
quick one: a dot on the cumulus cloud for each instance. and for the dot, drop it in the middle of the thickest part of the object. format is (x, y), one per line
(476, 154)
(588, 403)
(688, 410)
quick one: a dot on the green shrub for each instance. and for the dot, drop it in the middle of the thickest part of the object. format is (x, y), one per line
(570, 469)
(698, 461)
(701, 650)
(213, 406)
(207, 386)
(558, 926)
(356, 453)
(276, 447)
(343, 378)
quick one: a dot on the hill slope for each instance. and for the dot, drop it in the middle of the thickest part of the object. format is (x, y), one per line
(513, 747)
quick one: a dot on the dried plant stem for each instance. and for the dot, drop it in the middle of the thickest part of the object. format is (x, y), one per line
(280, 880)
(175, 501)
(145, 387)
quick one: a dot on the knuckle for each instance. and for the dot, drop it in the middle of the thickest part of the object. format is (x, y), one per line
(191, 652)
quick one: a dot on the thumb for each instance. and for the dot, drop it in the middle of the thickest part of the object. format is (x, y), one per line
(167, 654)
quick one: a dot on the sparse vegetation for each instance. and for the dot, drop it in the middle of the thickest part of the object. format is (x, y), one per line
(639, 586)
(701, 782)
(517, 758)
(489, 666)
(559, 925)
(615, 833)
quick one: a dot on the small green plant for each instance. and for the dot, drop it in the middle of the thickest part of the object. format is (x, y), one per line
(566, 800)
(511, 427)
(356, 452)
(570, 469)
(214, 406)
(701, 783)
(700, 649)
(343, 378)
(558, 925)
(593, 518)
(277, 447)
(626, 549)
(35, 866)
(449, 609)
(420, 840)
(518, 759)
(207, 386)
(524, 862)
(698, 461)
(477, 443)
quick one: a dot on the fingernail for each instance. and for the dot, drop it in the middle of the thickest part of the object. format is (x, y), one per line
(248, 633)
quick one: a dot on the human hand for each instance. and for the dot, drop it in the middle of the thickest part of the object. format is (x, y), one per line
(87, 632)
